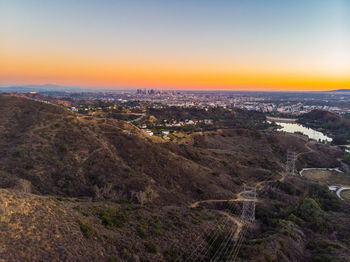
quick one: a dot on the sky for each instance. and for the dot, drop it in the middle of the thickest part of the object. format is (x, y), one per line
(178, 44)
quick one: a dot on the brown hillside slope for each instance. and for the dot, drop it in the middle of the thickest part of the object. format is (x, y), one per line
(63, 153)
(37, 228)
(34, 228)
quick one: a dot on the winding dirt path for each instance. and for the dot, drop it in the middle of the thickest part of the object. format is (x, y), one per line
(310, 150)
(240, 199)
(236, 221)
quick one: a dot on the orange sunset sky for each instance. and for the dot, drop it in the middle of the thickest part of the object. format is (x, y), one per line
(238, 45)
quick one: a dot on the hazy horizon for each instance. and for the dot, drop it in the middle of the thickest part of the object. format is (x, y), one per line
(101, 88)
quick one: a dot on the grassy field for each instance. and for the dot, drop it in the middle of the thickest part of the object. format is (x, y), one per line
(346, 195)
(329, 177)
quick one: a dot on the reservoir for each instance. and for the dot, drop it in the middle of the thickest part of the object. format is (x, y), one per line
(295, 127)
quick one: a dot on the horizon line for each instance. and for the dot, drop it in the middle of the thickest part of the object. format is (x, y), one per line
(111, 88)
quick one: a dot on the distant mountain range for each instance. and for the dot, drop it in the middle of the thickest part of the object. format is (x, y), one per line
(38, 88)
(341, 90)
(52, 88)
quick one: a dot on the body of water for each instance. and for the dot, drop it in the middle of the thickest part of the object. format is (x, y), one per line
(312, 134)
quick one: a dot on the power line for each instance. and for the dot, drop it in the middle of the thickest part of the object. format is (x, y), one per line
(215, 234)
(197, 251)
(214, 240)
(222, 248)
(238, 246)
(290, 165)
(248, 215)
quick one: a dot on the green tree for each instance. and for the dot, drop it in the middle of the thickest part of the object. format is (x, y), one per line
(309, 209)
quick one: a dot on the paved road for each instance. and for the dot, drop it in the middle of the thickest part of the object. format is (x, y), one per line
(340, 190)
(137, 119)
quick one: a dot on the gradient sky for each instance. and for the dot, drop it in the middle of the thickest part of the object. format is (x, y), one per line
(193, 44)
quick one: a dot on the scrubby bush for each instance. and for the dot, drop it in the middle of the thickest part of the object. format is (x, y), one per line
(324, 258)
(266, 216)
(77, 208)
(322, 246)
(86, 229)
(346, 158)
(175, 218)
(289, 188)
(296, 220)
(171, 255)
(142, 230)
(151, 247)
(113, 258)
(112, 218)
(327, 200)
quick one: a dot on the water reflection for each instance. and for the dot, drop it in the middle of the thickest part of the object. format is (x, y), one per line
(312, 134)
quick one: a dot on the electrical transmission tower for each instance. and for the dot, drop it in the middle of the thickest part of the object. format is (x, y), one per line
(248, 215)
(248, 210)
(290, 165)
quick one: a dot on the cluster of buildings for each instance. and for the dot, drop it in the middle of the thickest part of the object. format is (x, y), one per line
(279, 102)
(291, 109)
(284, 103)
(149, 92)
(164, 133)
(174, 124)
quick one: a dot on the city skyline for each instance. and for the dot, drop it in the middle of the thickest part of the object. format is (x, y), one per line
(260, 45)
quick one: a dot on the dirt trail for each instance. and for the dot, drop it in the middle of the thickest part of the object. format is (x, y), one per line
(310, 150)
(237, 222)
(239, 199)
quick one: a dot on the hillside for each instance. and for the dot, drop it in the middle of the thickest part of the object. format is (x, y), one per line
(323, 116)
(334, 125)
(341, 90)
(37, 228)
(62, 153)
(82, 188)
